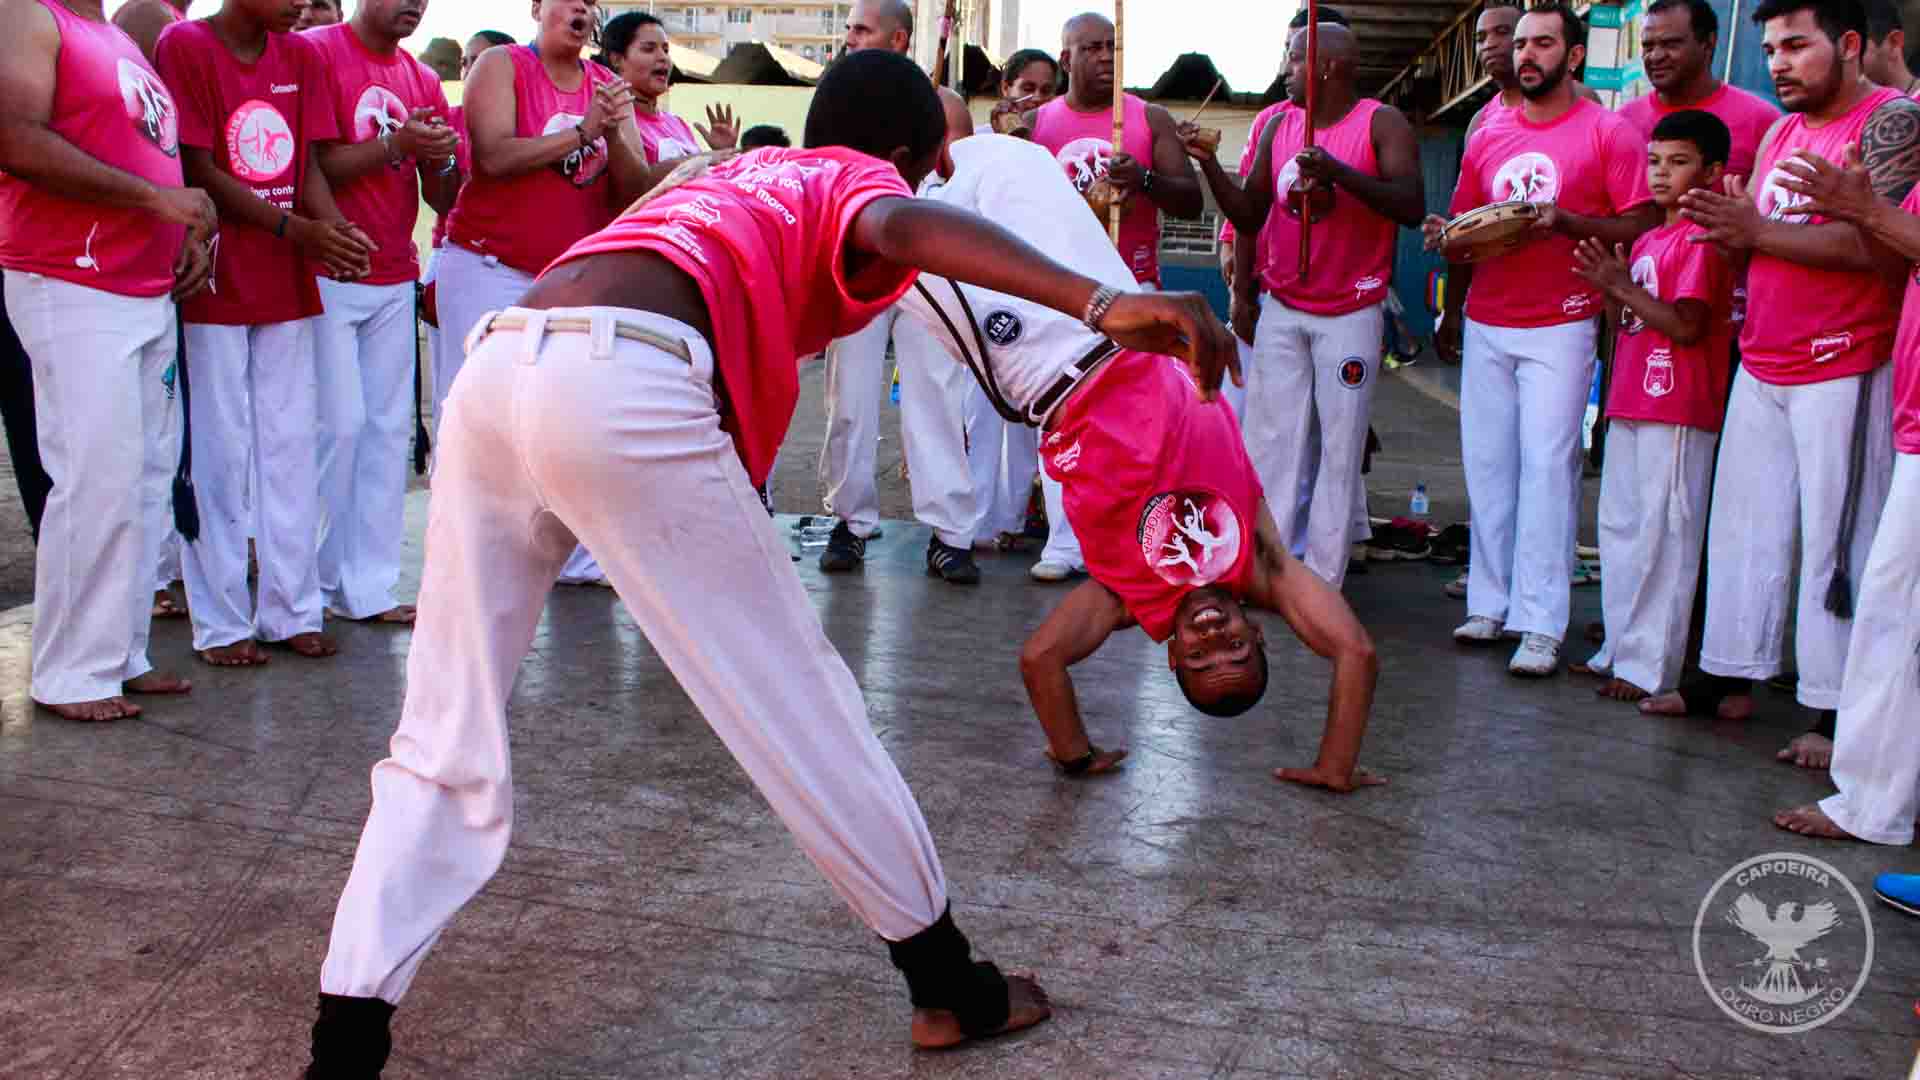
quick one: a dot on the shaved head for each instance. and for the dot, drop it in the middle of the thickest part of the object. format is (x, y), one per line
(1087, 51)
(1336, 60)
(1083, 22)
(880, 24)
(959, 120)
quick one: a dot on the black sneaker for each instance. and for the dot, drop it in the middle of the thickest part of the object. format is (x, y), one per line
(1452, 546)
(953, 565)
(845, 551)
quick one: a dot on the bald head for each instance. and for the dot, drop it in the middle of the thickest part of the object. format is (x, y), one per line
(959, 120)
(880, 24)
(1336, 59)
(1087, 54)
(1084, 23)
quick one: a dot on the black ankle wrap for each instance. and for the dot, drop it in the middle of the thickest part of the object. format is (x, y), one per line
(941, 974)
(351, 1039)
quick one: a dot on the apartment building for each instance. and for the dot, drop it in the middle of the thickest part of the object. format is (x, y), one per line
(814, 28)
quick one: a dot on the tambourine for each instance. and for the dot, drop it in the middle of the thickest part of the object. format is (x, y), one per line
(1492, 230)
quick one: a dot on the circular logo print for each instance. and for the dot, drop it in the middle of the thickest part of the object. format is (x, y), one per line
(1189, 537)
(584, 165)
(1646, 274)
(1085, 160)
(259, 143)
(1353, 373)
(380, 112)
(150, 107)
(1776, 203)
(1528, 177)
(1783, 943)
(1002, 327)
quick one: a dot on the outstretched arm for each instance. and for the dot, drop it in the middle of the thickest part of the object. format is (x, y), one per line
(1079, 626)
(956, 244)
(1324, 623)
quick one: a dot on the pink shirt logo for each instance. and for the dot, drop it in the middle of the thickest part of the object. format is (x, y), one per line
(380, 112)
(1647, 276)
(150, 107)
(1085, 161)
(1527, 177)
(1777, 203)
(584, 165)
(1066, 459)
(1658, 381)
(1190, 538)
(260, 144)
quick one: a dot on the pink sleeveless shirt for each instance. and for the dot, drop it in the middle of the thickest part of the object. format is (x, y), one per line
(111, 104)
(1352, 248)
(1839, 322)
(664, 136)
(1083, 144)
(572, 196)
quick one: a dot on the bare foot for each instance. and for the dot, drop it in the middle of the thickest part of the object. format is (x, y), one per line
(238, 654)
(1620, 690)
(313, 645)
(1587, 668)
(167, 606)
(1811, 821)
(94, 712)
(157, 682)
(1734, 707)
(398, 615)
(1104, 761)
(1027, 1005)
(1809, 751)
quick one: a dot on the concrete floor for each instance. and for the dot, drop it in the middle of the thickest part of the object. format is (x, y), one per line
(1517, 902)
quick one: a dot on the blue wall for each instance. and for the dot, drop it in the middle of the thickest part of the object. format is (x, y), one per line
(1439, 169)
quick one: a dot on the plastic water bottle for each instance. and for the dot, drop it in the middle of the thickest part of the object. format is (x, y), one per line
(1417, 506)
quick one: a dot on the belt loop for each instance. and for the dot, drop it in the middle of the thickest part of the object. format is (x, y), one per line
(479, 331)
(531, 336)
(601, 332)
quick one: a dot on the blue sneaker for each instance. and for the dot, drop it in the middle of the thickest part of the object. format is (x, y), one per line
(1901, 891)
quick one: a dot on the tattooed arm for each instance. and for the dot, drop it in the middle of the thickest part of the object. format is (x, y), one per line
(1890, 148)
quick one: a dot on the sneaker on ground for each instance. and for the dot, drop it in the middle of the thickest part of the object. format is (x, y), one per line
(950, 564)
(1478, 630)
(1050, 571)
(845, 551)
(1457, 588)
(1899, 891)
(1537, 656)
(1451, 545)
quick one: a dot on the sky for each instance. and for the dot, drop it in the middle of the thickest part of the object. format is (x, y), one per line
(1244, 37)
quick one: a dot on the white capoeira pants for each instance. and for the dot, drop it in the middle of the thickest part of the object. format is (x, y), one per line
(550, 438)
(1313, 372)
(109, 437)
(1523, 395)
(1653, 525)
(255, 398)
(1876, 742)
(471, 285)
(364, 344)
(1004, 458)
(1784, 458)
(933, 388)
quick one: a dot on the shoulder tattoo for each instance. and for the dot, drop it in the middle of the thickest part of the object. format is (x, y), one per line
(1890, 147)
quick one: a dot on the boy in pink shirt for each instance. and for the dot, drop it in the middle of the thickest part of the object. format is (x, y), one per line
(253, 105)
(97, 239)
(1530, 333)
(632, 402)
(1672, 299)
(396, 146)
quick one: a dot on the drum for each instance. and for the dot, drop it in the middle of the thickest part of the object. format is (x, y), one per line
(1492, 230)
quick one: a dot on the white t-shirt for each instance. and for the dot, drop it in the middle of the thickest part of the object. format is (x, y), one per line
(1019, 186)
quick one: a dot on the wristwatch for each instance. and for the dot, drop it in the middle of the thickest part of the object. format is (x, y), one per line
(1146, 182)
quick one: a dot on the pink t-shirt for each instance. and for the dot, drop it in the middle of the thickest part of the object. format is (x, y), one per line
(372, 94)
(1653, 377)
(664, 136)
(1157, 484)
(1352, 248)
(1588, 161)
(1083, 144)
(765, 236)
(1747, 116)
(259, 121)
(570, 199)
(457, 120)
(1247, 158)
(1806, 324)
(1906, 357)
(108, 102)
